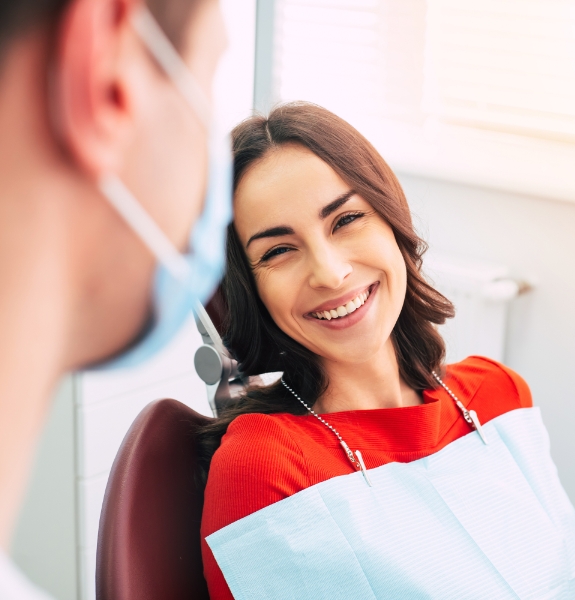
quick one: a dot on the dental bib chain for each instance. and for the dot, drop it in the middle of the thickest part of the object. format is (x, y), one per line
(469, 415)
(356, 459)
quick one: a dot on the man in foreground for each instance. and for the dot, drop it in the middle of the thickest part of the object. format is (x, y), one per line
(104, 119)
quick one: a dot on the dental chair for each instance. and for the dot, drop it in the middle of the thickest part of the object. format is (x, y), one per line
(149, 535)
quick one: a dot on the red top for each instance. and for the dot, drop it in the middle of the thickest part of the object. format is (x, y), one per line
(265, 458)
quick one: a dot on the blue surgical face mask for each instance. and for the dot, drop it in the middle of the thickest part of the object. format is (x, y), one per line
(182, 281)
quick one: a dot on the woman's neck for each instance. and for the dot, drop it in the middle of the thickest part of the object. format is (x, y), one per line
(375, 383)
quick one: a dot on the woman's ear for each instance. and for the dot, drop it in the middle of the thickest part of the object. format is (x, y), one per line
(91, 92)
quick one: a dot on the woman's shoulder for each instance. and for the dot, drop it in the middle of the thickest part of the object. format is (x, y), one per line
(490, 384)
(258, 463)
(258, 431)
(257, 441)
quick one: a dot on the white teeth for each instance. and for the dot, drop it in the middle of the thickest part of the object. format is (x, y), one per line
(342, 311)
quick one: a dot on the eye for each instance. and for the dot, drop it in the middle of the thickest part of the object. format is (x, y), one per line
(274, 252)
(347, 219)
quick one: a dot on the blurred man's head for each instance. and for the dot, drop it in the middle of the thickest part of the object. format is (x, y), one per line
(80, 96)
(174, 16)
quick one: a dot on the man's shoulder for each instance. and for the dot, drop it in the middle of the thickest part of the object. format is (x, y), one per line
(14, 585)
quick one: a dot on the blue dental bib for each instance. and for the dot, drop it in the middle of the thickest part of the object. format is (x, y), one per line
(472, 521)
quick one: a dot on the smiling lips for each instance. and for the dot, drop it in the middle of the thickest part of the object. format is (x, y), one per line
(344, 309)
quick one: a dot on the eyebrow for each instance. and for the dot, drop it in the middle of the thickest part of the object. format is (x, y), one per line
(337, 203)
(272, 232)
(282, 230)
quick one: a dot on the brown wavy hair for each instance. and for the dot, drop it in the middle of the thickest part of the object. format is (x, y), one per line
(252, 336)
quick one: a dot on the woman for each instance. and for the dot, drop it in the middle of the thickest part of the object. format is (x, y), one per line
(369, 470)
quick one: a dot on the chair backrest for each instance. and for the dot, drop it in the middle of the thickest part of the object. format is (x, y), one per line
(149, 536)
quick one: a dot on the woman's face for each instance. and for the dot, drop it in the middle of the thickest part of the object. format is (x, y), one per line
(326, 265)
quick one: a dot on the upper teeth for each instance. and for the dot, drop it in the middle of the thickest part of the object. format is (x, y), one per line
(344, 309)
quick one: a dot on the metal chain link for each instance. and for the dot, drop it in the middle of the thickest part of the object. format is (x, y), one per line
(466, 415)
(341, 440)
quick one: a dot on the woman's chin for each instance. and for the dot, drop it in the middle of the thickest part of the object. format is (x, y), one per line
(349, 362)
(361, 350)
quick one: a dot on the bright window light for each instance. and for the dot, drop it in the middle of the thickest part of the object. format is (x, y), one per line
(488, 86)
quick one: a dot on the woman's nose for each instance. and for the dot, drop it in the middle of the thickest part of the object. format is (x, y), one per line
(328, 268)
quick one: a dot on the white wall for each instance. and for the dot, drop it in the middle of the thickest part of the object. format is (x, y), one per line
(535, 237)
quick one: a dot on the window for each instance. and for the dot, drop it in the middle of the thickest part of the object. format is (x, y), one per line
(480, 91)
(505, 65)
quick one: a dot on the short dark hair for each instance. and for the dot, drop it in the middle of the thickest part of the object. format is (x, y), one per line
(17, 16)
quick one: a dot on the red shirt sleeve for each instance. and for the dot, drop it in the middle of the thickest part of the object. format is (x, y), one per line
(521, 388)
(497, 389)
(257, 464)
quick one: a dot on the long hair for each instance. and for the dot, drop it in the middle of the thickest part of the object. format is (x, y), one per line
(252, 336)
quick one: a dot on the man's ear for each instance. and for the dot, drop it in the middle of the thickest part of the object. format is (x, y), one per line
(91, 93)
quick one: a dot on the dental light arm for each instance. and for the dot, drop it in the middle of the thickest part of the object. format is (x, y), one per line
(214, 364)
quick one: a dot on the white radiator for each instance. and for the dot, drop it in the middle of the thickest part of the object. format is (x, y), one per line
(482, 293)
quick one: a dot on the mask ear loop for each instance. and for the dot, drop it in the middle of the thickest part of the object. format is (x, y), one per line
(157, 241)
(172, 63)
(176, 69)
(163, 51)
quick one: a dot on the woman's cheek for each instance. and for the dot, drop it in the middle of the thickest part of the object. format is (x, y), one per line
(273, 293)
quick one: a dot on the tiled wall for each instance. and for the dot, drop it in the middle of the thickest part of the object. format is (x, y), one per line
(106, 406)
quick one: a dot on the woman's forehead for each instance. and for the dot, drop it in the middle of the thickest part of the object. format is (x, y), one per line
(288, 179)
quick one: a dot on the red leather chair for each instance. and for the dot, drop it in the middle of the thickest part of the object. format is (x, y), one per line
(149, 536)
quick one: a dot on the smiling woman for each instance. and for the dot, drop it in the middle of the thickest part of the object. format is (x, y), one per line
(324, 284)
(321, 190)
